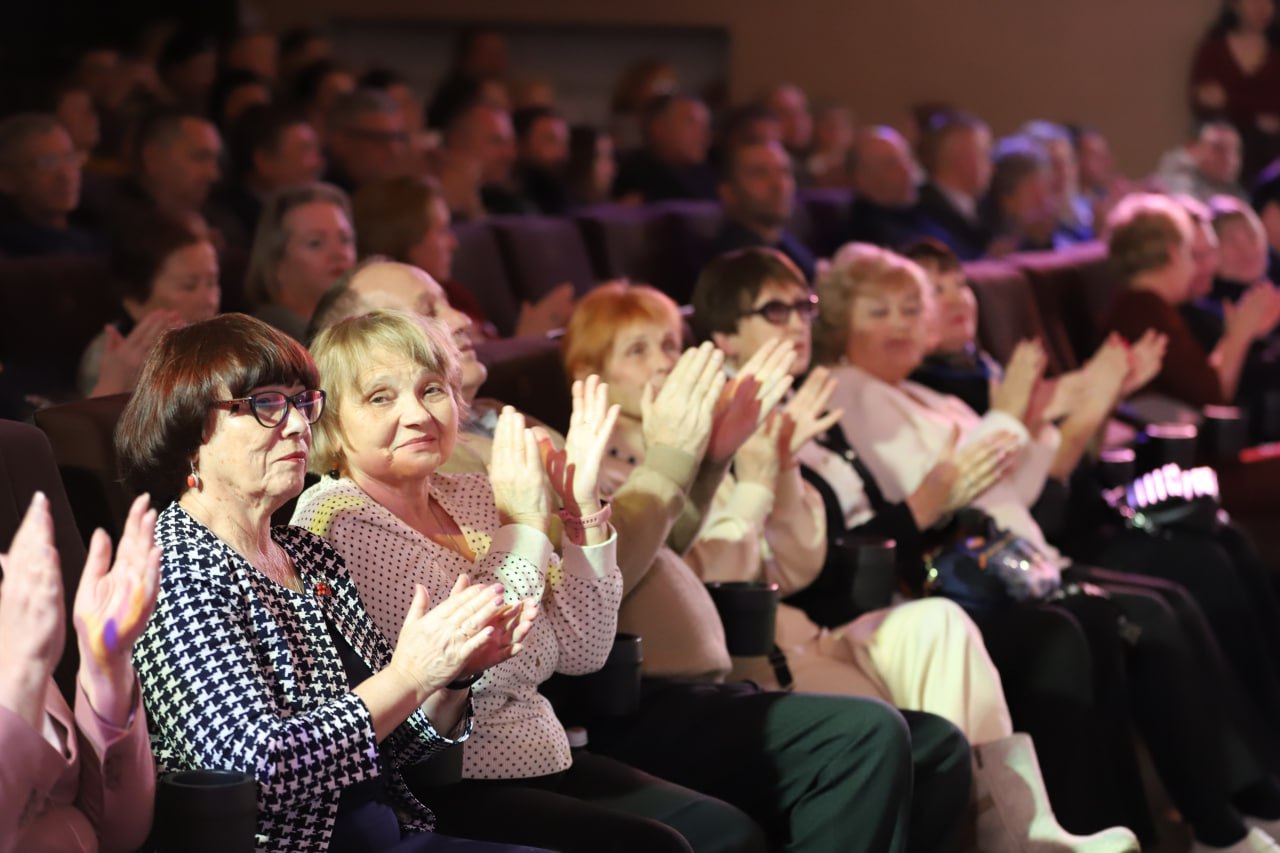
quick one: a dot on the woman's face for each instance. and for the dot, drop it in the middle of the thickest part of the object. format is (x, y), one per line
(400, 421)
(187, 283)
(319, 248)
(435, 249)
(643, 352)
(956, 310)
(1255, 15)
(245, 462)
(888, 332)
(1030, 206)
(754, 331)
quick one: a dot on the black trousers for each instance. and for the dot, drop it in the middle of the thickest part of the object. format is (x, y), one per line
(819, 773)
(1227, 578)
(1145, 665)
(598, 805)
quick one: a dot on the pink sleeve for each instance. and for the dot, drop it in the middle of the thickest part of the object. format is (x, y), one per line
(117, 775)
(28, 772)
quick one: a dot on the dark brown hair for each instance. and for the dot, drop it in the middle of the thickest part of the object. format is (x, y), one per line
(164, 422)
(141, 249)
(729, 284)
(391, 215)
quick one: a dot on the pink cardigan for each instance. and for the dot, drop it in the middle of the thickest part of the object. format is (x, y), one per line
(94, 791)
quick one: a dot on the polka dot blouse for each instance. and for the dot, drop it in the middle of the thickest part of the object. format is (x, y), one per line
(516, 735)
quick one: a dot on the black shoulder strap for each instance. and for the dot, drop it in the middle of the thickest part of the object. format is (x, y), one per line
(835, 441)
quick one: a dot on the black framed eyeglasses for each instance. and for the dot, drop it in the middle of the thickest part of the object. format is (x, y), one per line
(778, 312)
(270, 408)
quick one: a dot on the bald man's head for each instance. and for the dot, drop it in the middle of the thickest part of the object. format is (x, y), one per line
(883, 171)
(381, 283)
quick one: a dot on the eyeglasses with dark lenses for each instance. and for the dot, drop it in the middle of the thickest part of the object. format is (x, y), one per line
(778, 312)
(270, 408)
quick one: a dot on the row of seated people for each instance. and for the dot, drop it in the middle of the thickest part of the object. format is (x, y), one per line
(871, 317)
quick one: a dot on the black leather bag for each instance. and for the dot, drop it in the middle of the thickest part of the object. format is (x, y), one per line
(984, 567)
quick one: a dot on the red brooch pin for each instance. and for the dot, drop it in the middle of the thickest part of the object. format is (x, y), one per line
(323, 589)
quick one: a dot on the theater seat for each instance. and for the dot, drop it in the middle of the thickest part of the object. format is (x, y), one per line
(1007, 311)
(527, 373)
(50, 308)
(542, 252)
(81, 434)
(1074, 288)
(681, 237)
(618, 241)
(821, 218)
(26, 466)
(478, 266)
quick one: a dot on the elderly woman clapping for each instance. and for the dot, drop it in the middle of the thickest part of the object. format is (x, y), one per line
(260, 656)
(398, 523)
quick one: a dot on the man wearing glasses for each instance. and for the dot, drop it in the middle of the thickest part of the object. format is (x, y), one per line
(40, 172)
(366, 139)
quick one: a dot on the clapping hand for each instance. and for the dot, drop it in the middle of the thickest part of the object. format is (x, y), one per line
(520, 488)
(960, 476)
(112, 608)
(681, 414)
(1146, 358)
(1255, 315)
(574, 472)
(807, 411)
(744, 403)
(470, 631)
(123, 355)
(1013, 395)
(32, 630)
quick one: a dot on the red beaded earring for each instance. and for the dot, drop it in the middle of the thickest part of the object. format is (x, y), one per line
(193, 479)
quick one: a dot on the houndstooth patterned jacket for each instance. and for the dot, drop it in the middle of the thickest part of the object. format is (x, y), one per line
(241, 673)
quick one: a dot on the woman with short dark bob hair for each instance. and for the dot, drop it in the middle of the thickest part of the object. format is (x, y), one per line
(260, 656)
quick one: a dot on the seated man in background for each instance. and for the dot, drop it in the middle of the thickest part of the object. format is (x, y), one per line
(956, 153)
(886, 210)
(542, 158)
(366, 139)
(270, 149)
(758, 191)
(1206, 166)
(672, 164)
(790, 106)
(40, 173)
(481, 141)
(174, 167)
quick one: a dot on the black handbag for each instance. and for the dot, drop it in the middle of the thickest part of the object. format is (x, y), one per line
(984, 567)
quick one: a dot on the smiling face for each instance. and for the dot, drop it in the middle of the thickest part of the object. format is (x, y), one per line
(889, 330)
(243, 462)
(754, 331)
(643, 352)
(400, 421)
